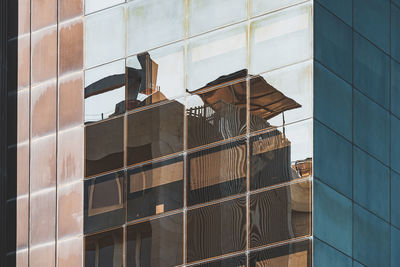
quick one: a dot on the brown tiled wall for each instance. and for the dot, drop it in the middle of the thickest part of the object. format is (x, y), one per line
(50, 133)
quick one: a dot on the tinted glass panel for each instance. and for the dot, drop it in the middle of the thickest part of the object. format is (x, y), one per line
(105, 91)
(105, 151)
(280, 214)
(219, 114)
(155, 76)
(238, 261)
(155, 132)
(290, 255)
(155, 188)
(216, 230)
(105, 249)
(216, 172)
(104, 202)
(155, 243)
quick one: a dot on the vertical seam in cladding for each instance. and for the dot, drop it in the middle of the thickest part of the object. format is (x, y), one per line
(352, 131)
(29, 130)
(57, 128)
(390, 134)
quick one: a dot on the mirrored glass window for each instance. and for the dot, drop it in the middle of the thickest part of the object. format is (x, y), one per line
(216, 229)
(155, 188)
(280, 214)
(290, 255)
(104, 202)
(105, 249)
(158, 242)
(105, 91)
(155, 132)
(104, 152)
(216, 54)
(152, 23)
(155, 76)
(96, 5)
(258, 7)
(238, 261)
(217, 172)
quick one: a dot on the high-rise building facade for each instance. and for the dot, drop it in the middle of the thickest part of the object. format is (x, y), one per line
(202, 133)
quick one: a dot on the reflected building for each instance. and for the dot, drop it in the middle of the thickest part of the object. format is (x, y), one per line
(238, 133)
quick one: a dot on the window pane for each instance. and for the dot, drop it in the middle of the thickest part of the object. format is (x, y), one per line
(104, 202)
(104, 152)
(259, 7)
(152, 23)
(105, 249)
(155, 132)
(155, 188)
(290, 255)
(215, 115)
(238, 261)
(280, 214)
(155, 76)
(155, 243)
(217, 172)
(216, 230)
(216, 54)
(105, 91)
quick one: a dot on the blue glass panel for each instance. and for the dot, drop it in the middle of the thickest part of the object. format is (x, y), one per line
(332, 100)
(341, 8)
(395, 247)
(357, 264)
(395, 145)
(395, 199)
(371, 184)
(333, 43)
(395, 90)
(371, 127)
(395, 35)
(371, 238)
(332, 218)
(333, 159)
(327, 256)
(371, 70)
(372, 19)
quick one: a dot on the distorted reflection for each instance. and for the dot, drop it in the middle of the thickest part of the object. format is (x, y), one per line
(238, 261)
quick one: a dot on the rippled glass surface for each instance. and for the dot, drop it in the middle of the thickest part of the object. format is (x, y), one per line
(280, 214)
(290, 255)
(155, 76)
(155, 188)
(238, 261)
(155, 132)
(216, 229)
(104, 152)
(105, 91)
(217, 114)
(216, 172)
(104, 202)
(215, 54)
(105, 249)
(158, 242)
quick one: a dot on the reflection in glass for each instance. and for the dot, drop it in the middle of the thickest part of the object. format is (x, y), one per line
(105, 249)
(216, 172)
(216, 230)
(104, 202)
(104, 149)
(155, 76)
(215, 54)
(105, 91)
(280, 214)
(155, 243)
(238, 261)
(290, 255)
(259, 7)
(155, 188)
(155, 132)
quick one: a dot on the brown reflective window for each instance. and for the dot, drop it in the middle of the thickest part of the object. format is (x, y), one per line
(155, 188)
(104, 249)
(216, 229)
(290, 255)
(104, 202)
(217, 172)
(155, 243)
(104, 146)
(238, 261)
(280, 214)
(218, 114)
(155, 132)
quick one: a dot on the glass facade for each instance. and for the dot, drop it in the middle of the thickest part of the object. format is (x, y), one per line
(355, 133)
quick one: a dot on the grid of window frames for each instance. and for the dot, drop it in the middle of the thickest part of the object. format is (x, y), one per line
(198, 134)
